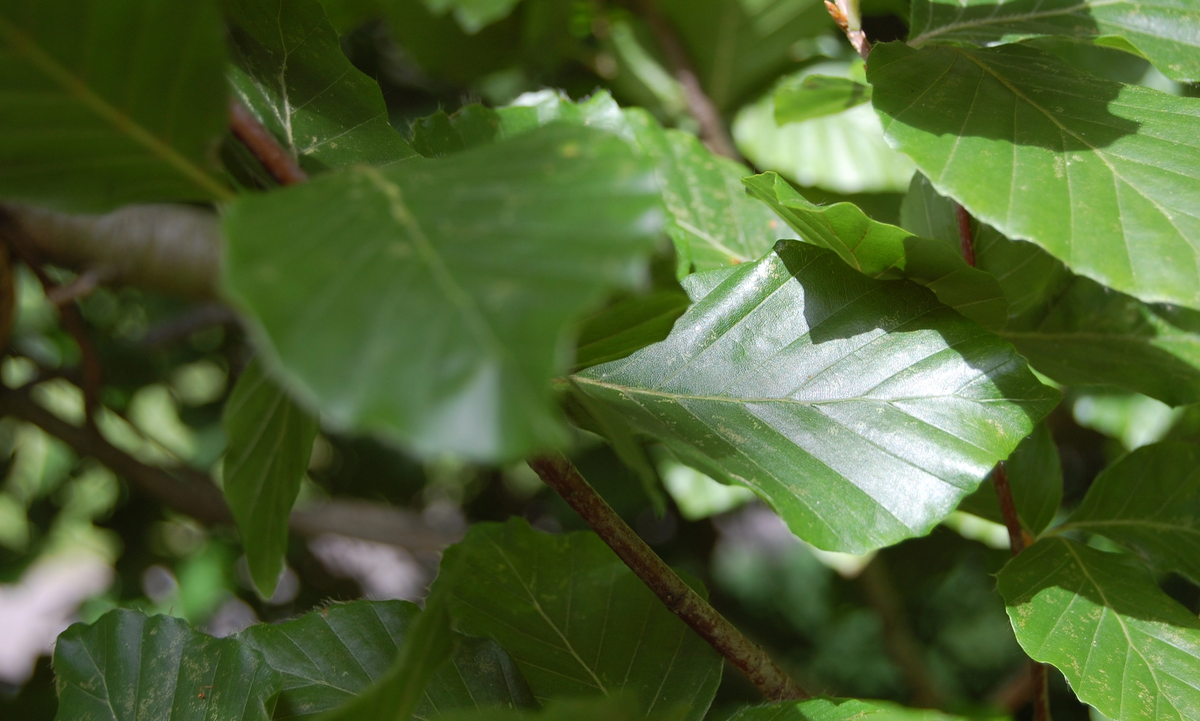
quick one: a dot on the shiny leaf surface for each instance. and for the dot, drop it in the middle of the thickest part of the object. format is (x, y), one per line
(464, 272)
(91, 121)
(128, 667)
(1125, 647)
(1100, 174)
(575, 618)
(862, 410)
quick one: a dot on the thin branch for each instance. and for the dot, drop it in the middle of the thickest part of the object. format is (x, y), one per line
(560, 474)
(849, 20)
(966, 236)
(712, 127)
(259, 141)
(902, 645)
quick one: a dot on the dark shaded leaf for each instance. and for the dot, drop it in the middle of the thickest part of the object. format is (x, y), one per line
(816, 96)
(1034, 474)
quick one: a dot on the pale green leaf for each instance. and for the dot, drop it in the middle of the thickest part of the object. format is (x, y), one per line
(1149, 501)
(879, 250)
(816, 96)
(110, 102)
(1100, 174)
(1071, 328)
(397, 694)
(1167, 32)
(291, 73)
(839, 709)
(1034, 473)
(270, 441)
(127, 667)
(330, 656)
(1125, 647)
(709, 218)
(473, 15)
(465, 273)
(846, 153)
(575, 618)
(862, 410)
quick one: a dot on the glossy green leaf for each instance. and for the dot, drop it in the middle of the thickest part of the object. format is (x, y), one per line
(862, 410)
(1167, 32)
(1034, 473)
(845, 153)
(270, 441)
(396, 695)
(1125, 647)
(292, 74)
(1102, 175)
(464, 272)
(816, 96)
(738, 47)
(90, 120)
(575, 618)
(128, 667)
(1069, 327)
(1149, 501)
(628, 326)
(838, 709)
(709, 218)
(879, 250)
(330, 656)
(473, 15)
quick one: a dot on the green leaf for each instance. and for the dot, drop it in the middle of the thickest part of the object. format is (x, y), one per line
(879, 250)
(1149, 501)
(473, 15)
(270, 441)
(838, 709)
(1167, 32)
(126, 666)
(737, 46)
(1125, 646)
(709, 218)
(291, 73)
(109, 102)
(330, 656)
(628, 326)
(431, 300)
(846, 153)
(863, 411)
(575, 619)
(613, 708)
(1034, 474)
(816, 96)
(1072, 328)
(396, 695)
(1102, 175)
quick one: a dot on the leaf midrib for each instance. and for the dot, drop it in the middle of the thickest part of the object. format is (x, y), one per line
(23, 45)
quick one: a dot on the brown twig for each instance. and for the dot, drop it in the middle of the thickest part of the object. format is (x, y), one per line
(560, 474)
(258, 140)
(902, 645)
(966, 237)
(712, 127)
(856, 35)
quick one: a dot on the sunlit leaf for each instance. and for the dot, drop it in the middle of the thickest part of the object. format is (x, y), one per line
(128, 667)
(1165, 31)
(862, 410)
(839, 709)
(1125, 646)
(464, 273)
(292, 74)
(1149, 501)
(575, 618)
(1102, 175)
(90, 119)
(270, 441)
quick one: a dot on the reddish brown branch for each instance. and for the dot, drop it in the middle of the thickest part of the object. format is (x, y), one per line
(712, 127)
(966, 237)
(560, 474)
(856, 36)
(258, 140)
